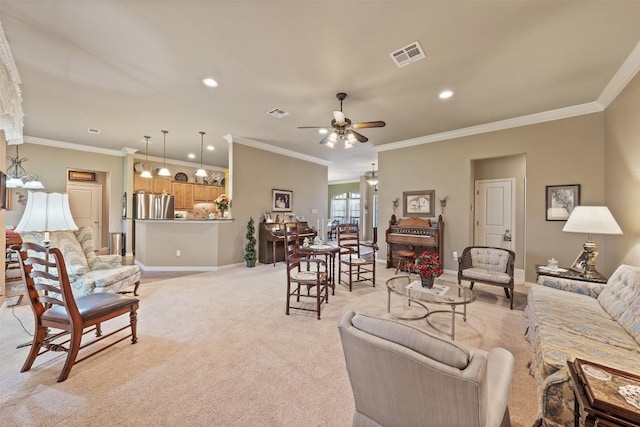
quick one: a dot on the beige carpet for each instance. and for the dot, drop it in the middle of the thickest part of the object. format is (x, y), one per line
(216, 349)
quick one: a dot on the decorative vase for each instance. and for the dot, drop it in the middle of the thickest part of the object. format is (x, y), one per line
(221, 212)
(427, 280)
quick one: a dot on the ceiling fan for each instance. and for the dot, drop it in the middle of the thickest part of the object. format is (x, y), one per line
(343, 129)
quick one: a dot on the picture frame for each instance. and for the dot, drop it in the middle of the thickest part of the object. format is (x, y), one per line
(560, 201)
(281, 200)
(75, 175)
(419, 203)
(580, 264)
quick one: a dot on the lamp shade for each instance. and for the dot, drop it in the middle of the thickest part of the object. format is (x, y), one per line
(592, 219)
(46, 212)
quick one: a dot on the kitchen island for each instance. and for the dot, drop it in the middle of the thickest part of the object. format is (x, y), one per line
(182, 244)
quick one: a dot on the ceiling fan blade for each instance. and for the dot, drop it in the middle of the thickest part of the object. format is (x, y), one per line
(312, 127)
(324, 140)
(364, 125)
(360, 137)
(339, 116)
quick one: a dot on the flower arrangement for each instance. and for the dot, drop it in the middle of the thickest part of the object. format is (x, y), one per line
(222, 202)
(427, 264)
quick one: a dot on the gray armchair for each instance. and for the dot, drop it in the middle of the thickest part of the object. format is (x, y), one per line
(486, 264)
(403, 376)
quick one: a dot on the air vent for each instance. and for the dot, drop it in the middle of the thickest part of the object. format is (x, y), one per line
(408, 54)
(278, 112)
(95, 131)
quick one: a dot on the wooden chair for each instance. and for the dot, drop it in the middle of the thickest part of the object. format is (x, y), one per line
(54, 306)
(485, 264)
(354, 263)
(332, 232)
(300, 273)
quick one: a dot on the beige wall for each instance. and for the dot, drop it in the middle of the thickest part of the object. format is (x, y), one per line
(255, 173)
(565, 151)
(622, 177)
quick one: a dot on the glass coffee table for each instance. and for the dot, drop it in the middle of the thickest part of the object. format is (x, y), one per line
(444, 292)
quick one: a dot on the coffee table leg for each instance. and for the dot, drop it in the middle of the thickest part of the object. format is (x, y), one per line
(453, 322)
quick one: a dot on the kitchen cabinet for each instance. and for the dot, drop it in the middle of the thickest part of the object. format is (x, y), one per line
(205, 193)
(142, 184)
(183, 195)
(162, 184)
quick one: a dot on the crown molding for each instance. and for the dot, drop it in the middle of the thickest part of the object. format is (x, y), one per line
(72, 146)
(545, 116)
(621, 78)
(266, 147)
(345, 181)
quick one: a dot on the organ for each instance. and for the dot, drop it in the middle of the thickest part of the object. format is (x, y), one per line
(414, 234)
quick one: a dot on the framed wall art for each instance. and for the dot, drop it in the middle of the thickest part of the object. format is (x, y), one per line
(281, 200)
(560, 201)
(419, 203)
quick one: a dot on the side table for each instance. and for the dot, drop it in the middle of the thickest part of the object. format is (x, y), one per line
(567, 273)
(586, 414)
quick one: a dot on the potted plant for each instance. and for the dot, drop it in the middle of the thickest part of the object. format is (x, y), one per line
(250, 248)
(429, 266)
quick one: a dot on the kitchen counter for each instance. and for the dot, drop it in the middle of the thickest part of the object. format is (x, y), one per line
(180, 244)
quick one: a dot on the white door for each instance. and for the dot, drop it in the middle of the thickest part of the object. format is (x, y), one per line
(494, 213)
(85, 202)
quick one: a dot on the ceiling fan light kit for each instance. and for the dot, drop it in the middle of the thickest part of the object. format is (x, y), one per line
(343, 129)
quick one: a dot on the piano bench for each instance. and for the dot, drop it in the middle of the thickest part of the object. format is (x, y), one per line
(404, 259)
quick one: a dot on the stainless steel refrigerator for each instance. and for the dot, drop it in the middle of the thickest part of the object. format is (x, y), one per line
(151, 206)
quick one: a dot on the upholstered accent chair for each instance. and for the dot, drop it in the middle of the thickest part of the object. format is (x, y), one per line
(89, 273)
(485, 264)
(404, 376)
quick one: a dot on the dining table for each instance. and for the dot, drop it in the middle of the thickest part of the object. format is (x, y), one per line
(329, 253)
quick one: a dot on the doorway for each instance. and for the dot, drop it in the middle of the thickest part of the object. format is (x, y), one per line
(85, 202)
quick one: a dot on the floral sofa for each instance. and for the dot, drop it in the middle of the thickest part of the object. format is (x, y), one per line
(569, 319)
(89, 273)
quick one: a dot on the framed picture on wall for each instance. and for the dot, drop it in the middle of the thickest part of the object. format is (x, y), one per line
(419, 203)
(560, 201)
(281, 200)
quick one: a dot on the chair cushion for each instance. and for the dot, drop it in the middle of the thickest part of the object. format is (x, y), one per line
(91, 307)
(74, 256)
(307, 276)
(491, 259)
(431, 346)
(482, 274)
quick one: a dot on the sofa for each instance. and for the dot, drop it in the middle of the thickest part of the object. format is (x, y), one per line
(89, 273)
(571, 319)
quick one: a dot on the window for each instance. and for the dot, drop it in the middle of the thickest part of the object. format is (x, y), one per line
(345, 207)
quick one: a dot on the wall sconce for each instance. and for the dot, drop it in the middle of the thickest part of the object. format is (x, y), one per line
(443, 203)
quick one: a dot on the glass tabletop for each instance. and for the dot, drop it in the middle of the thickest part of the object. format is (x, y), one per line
(442, 292)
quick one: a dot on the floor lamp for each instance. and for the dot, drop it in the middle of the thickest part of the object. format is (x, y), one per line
(591, 220)
(46, 212)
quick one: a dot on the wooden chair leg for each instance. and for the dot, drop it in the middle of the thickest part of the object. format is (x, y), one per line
(288, 298)
(72, 353)
(38, 337)
(98, 329)
(133, 322)
(471, 285)
(318, 295)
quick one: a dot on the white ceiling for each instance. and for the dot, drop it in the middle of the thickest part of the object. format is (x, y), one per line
(133, 68)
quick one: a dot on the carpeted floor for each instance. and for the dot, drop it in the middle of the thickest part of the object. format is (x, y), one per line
(216, 349)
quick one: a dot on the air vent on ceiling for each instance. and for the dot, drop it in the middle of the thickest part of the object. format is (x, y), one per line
(96, 131)
(278, 112)
(408, 54)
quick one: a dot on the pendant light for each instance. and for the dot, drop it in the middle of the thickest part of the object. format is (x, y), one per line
(373, 180)
(201, 172)
(146, 173)
(164, 171)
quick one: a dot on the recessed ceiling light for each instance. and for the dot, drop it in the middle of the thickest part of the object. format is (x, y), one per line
(445, 94)
(191, 156)
(322, 131)
(210, 147)
(208, 81)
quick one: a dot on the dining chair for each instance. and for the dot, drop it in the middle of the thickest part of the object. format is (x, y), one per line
(45, 276)
(357, 260)
(302, 272)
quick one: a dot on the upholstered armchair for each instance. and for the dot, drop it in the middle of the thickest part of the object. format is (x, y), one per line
(403, 376)
(89, 273)
(485, 264)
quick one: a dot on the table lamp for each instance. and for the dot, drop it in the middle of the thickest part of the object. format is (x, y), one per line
(46, 212)
(591, 220)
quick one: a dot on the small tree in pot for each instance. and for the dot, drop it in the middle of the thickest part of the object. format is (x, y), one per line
(250, 248)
